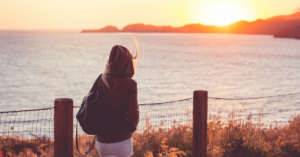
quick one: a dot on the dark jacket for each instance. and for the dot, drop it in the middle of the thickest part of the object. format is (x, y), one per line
(122, 93)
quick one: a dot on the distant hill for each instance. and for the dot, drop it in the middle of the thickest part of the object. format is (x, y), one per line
(146, 28)
(268, 26)
(293, 32)
(295, 16)
(102, 30)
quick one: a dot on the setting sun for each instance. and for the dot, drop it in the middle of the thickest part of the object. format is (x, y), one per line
(221, 13)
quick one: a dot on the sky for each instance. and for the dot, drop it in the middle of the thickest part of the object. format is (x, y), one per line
(94, 14)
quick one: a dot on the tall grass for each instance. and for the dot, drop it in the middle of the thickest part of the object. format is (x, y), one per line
(231, 138)
(20, 146)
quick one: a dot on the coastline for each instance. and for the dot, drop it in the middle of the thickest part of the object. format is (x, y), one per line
(278, 26)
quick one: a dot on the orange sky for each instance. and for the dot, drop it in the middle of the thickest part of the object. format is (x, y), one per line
(91, 14)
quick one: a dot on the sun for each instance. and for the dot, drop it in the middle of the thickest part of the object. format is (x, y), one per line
(222, 13)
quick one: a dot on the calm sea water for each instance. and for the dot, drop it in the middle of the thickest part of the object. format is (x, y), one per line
(36, 67)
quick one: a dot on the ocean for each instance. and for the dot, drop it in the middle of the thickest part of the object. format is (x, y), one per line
(38, 67)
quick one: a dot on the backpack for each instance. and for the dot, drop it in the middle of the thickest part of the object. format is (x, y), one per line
(96, 115)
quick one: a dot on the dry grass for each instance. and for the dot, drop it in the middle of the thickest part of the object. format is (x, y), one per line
(230, 138)
(19, 146)
(242, 138)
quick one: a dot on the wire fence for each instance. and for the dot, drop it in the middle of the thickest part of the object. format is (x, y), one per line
(169, 125)
(265, 126)
(250, 125)
(27, 132)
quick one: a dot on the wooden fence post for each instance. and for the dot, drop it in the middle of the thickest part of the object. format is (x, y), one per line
(63, 127)
(200, 124)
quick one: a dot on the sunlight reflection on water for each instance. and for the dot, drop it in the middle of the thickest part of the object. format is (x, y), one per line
(36, 68)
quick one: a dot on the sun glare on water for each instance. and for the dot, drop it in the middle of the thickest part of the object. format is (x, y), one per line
(222, 13)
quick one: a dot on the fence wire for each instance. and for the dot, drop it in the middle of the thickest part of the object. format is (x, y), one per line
(166, 128)
(169, 122)
(27, 132)
(85, 141)
(267, 126)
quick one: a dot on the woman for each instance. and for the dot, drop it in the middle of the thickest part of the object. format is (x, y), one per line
(120, 91)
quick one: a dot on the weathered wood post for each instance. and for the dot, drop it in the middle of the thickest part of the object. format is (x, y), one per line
(63, 127)
(200, 124)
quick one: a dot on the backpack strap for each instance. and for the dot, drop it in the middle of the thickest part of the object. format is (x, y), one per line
(77, 141)
(94, 85)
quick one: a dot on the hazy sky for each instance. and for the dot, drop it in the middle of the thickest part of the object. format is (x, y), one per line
(92, 14)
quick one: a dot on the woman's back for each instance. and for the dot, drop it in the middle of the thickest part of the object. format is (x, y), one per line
(120, 94)
(123, 97)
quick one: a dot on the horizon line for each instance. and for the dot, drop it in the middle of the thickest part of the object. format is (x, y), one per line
(75, 29)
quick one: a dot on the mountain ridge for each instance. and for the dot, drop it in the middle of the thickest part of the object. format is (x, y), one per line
(269, 26)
